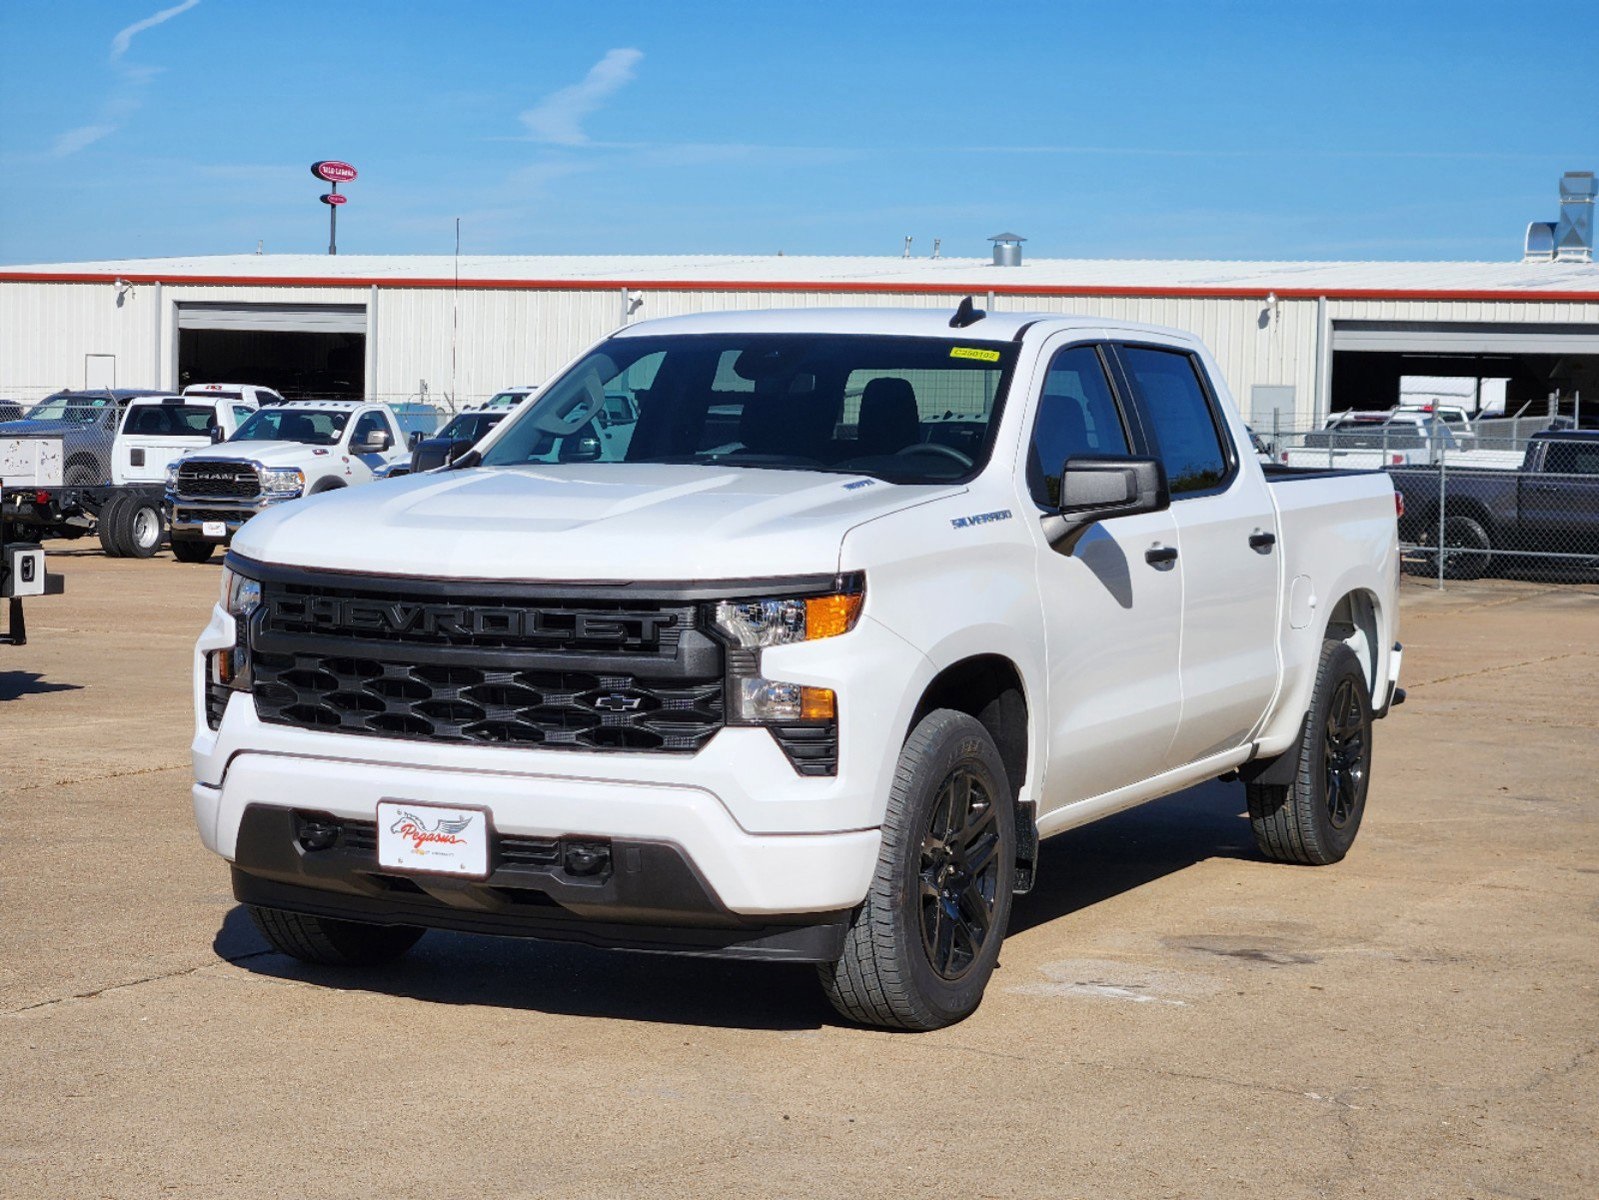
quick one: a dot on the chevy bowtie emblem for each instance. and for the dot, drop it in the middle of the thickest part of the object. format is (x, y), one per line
(617, 702)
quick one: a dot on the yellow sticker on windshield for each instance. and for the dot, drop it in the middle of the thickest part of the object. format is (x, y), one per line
(974, 352)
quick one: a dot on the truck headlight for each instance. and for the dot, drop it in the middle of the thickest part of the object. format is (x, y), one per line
(230, 668)
(172, 477)
(282, 481)
(803, 719)
(753, 624)
(241, 595)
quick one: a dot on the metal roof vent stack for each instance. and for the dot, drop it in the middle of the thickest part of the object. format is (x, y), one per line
(1007, 249)
(1574, 233)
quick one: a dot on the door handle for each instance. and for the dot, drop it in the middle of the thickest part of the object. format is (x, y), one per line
(1262, 541)
(1160, 556)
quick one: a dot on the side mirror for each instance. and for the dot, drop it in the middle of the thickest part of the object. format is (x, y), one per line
(415, 439)
(456, 450)
(217, 435)
(1094, 489)
(581, 448)
(376, 443)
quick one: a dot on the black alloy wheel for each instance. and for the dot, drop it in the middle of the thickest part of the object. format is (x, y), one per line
(959, 874)
(1347, 751)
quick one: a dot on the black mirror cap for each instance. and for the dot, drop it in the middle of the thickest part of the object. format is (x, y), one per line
(414, 440)
(217, 435)
(1094, 489)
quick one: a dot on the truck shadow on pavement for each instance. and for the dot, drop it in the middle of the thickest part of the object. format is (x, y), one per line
(16, 684)
(1080, 868)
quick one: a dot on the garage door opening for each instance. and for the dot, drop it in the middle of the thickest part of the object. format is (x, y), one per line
(297, 350)
(1499, 370)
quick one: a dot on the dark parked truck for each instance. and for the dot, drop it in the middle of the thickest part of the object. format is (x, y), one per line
(1547, 505)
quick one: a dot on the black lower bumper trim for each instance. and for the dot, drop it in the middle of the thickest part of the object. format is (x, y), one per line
(651, 898)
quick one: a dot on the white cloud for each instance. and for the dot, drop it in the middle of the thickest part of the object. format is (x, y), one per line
(126, 94)
(558, 118)
(124, 38)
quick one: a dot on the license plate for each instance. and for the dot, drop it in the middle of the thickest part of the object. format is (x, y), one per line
(434, 839)
(214, 529)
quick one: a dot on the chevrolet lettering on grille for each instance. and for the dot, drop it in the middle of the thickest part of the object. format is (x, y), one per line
(346, 614)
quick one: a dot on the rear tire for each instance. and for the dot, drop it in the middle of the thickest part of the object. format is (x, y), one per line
(1314, 820)
(108, 524)
(332, 943)
(143, 527)
(922, 947)
(192, 550)
(1468, 548)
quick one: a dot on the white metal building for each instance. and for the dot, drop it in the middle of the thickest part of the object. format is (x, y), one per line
(1294, 339)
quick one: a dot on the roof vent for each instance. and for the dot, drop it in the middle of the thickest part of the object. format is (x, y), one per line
(1007, 249)
(1574, 232)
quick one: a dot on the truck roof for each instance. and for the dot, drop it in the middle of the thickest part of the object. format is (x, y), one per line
(1566, 435)
(901, 322)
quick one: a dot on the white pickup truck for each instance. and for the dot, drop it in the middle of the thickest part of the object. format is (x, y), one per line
(863, 605)
(285, 451)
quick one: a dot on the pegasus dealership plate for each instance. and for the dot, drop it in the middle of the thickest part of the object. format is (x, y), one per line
(426, 837)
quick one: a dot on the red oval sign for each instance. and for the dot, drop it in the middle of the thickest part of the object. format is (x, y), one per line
(334, 198)
(333, 170)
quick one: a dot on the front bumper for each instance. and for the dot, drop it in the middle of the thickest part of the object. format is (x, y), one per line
(188, 517)
(648, 896)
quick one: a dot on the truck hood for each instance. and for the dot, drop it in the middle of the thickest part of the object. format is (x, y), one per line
(271, 454)
(618, 522)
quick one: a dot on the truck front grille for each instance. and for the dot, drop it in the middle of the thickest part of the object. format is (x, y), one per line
(232, 480)
(485, 663)
(575, 710)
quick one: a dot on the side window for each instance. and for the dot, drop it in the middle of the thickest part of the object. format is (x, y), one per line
(1571, 458)
(1185, 426)
(368, 424)
(1077, 415)
(241, 414)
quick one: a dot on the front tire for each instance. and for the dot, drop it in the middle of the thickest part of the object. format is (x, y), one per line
(922, 947)
(192, 550)
(331, 943)
(1314, 819)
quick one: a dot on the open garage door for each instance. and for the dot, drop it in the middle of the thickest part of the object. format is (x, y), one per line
(1533, 361)
(296, 349)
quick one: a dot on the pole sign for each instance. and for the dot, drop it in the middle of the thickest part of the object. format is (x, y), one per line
(333, 171)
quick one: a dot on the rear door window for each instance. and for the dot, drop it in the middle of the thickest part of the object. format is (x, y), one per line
(1181, 418)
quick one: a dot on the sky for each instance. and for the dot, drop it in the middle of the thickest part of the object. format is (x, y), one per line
(1400, 130)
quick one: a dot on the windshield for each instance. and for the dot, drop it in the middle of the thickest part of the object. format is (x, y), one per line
(313, 427)
(905, 409)
(64, 406)
(471, 426)
(506, 399)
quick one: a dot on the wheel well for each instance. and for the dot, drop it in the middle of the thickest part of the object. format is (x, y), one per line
(326, 484)
(988, 687)
(1354, 622)
(1458, 508)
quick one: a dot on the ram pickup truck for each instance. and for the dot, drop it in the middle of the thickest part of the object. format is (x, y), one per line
(1548, 505)
(285, 451)
(801, 664)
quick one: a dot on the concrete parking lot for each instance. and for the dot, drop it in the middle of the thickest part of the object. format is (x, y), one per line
(1173, 1016)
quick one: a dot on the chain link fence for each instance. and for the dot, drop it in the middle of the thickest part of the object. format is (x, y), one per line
(1501, 498)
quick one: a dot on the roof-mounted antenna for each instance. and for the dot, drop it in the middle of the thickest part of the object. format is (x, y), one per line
(966, 314)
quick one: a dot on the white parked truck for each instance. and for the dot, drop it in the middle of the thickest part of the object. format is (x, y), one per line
(864, 605)
(285, 451)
